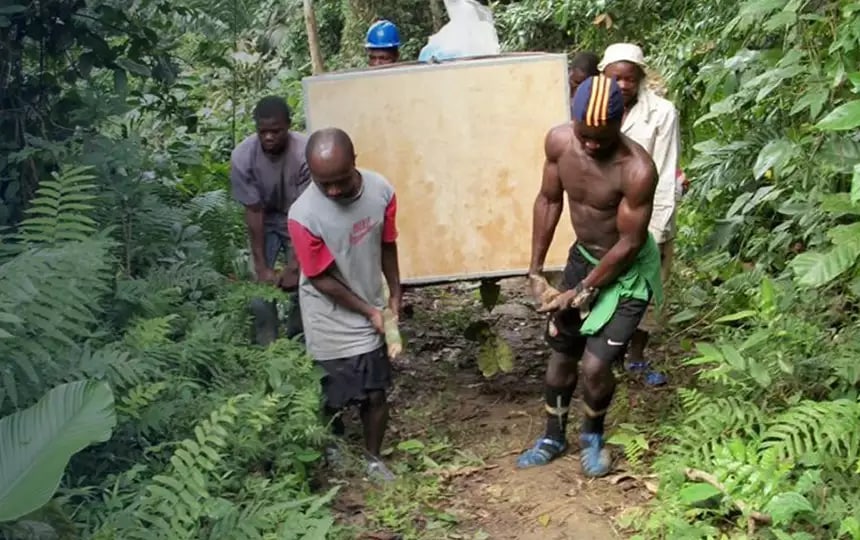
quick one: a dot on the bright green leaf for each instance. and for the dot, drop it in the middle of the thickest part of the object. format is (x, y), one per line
(733, 357)
(760, 374)
(767, 295)
(846, 116)
(37, 443)
(814, 269)
(412, 446)
(708, 350)
(845, 234)
(308, 456)
(745, 314)
(814, 100)
(850, 526)
(839, 204)
(698, 492)
(683, 316)
(784, 506)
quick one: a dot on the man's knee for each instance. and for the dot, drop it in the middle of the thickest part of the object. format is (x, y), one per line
(376, 398)
(595, 370)
(561, 366)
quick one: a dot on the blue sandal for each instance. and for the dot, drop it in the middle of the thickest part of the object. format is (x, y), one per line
(652, 377)
(544, 451)
(595, 458)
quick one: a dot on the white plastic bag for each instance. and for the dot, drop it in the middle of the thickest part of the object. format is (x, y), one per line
(469, 32)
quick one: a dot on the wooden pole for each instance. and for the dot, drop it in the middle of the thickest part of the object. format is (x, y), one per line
(313, 38)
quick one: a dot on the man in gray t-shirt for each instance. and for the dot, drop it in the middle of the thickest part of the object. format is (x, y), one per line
(344, 233)
(268, 172)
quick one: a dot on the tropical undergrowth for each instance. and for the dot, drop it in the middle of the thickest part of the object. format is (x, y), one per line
(199, 434)
(765, 440)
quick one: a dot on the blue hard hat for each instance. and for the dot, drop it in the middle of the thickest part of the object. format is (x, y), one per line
(382, 35)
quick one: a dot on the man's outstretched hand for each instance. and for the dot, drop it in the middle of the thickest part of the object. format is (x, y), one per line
(541, 290)
(578, 297)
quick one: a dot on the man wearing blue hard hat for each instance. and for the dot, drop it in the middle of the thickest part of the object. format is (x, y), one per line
(382, 43)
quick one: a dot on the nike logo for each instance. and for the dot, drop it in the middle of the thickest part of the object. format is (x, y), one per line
(614, 343)
(355, 238)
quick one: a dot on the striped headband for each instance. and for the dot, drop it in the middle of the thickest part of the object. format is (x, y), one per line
(598, 101)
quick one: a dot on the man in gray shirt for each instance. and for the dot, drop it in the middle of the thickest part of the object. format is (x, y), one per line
(268, 172)
(345, 237)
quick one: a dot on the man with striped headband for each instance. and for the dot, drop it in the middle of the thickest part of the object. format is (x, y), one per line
(613, 268)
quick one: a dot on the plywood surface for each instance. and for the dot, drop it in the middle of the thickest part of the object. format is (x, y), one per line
(462, 143)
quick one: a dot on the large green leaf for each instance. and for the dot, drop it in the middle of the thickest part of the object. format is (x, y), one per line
(816, 269)
(697, 493)
(775, 155)
(845, 116)
(37, 443)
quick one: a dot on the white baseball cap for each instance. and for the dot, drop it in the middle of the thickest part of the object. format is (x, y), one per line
(622, 52)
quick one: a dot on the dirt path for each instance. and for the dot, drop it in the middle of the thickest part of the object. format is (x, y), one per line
(459, 479)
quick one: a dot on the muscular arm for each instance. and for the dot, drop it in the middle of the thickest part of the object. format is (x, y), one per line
(634, 213)
(254, 221)
(550, 199)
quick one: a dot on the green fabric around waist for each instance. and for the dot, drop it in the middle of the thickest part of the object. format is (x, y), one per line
(642, 278)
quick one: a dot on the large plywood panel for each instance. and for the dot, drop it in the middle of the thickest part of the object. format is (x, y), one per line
(462, 143)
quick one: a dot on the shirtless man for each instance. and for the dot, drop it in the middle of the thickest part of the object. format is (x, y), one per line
(612, 271)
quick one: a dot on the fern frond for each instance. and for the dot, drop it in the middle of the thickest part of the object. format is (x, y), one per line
(817, 433)
(634, 443)
(140, 397)
(175, 502)
(49, 300)
(60, 211)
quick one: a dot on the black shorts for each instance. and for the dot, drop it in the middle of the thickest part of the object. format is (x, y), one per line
(610, 343)
(348, 380)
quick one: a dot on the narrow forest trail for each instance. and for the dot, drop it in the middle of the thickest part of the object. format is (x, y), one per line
(461, 480)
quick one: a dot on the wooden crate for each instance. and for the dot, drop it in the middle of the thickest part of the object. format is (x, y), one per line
(463, 144)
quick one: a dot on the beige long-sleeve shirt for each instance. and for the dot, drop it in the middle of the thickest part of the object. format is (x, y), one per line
(653, 123)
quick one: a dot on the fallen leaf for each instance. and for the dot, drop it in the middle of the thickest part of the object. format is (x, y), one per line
(544, 520)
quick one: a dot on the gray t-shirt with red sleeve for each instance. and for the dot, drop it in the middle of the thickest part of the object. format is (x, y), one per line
(347, 237)
(273, 181)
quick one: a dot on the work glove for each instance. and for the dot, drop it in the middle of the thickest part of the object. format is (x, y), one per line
(392, 333)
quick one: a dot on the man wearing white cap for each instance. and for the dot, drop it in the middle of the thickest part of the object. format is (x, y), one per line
(652, 122)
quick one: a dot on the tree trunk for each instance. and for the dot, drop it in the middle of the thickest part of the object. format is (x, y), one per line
(313, 38)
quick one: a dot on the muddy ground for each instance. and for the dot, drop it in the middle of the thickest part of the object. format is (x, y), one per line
(459, 479)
